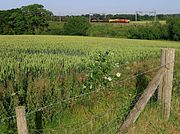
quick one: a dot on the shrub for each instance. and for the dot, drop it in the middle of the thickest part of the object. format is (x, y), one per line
(76, 26)
(55, 28)
(150, 32)
(98, 31)
(108, 30)
(174, 28)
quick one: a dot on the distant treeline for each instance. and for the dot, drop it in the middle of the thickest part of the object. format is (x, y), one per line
(105, 18)
(168, 30)
(157, 31)
(35, 19)
(32, 19)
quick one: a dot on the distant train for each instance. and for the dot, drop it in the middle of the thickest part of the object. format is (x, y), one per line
(119, 21)
(112, 20)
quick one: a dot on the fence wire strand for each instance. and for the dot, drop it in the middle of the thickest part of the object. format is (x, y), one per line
(86, 123)
(80, 97)
(85, 94)
(96, 91)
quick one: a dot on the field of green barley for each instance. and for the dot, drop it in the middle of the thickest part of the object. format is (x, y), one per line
(71, 84)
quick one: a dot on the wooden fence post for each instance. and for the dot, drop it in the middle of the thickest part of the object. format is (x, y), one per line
(162, 64)
(165, 88)
(143, 100)
(21, 120)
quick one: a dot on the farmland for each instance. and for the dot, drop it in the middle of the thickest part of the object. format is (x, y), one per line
(41, 71)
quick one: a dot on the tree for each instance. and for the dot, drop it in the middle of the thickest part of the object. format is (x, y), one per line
(174, 28)
(76, 26)
(37, 18)
(3, 19)
(17, 22)
(32, 19)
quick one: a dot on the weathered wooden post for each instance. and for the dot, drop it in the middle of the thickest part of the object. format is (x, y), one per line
(21, 120)
(143, 100)
(165, 87)
(162, 64)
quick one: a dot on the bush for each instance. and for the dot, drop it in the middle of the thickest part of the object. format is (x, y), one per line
(76, 26)
(108, 30)
(149, 32)
(98, 31)
(174, 28)
(55, 28)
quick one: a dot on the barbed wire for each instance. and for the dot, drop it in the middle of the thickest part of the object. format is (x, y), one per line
(66, 100)
(95, 91)
(11, 117)
(94, 117)
(113, 128)
(85, 94)
(106, 124)
(116, 127)
(177, 61)
(99, 116)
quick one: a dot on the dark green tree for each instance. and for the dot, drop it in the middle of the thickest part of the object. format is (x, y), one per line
(174, 28)
(17, 22)
(32, 19)
(76, 26)
(37, 18)
(5, 27)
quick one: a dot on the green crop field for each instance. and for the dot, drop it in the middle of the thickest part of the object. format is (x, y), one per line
(79, 84)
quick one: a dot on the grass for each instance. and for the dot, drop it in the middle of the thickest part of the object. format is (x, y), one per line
(84, 42)
(146, 22)
(73, 49)
(151, 120)
(102, 29)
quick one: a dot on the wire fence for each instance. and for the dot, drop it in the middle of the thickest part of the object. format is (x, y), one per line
(97, 112)
(85, 94)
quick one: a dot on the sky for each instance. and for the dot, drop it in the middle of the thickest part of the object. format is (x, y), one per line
(74, 7)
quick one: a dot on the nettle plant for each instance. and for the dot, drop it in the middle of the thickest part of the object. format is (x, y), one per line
(99, 74)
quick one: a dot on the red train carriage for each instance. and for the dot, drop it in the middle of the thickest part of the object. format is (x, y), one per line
(119, 21)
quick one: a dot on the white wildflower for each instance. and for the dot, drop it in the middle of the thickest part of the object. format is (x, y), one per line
(84, 86)
(112, 54)
(118, 75)
(117, 64)
(90, 86)
(109, 79)
(13, 94)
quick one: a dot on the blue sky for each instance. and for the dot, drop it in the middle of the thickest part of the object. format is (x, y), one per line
(62, 7)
